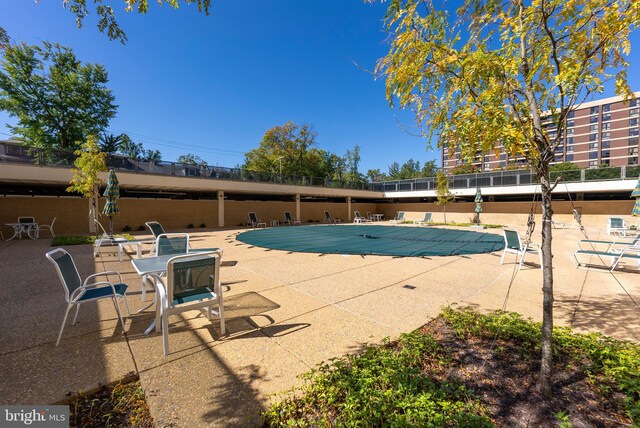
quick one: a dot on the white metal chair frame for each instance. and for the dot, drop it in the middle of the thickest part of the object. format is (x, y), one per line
(514, 245)
(167, 305)
(79, 289)
(288, 219)
(48, 227)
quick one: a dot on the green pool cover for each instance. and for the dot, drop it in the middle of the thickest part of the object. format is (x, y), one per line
(373, 239)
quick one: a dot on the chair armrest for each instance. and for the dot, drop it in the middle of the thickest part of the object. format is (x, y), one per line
(106, 273)
(78, 292)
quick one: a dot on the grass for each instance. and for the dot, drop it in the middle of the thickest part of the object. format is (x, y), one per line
(453, 373)
(60, 241)
(121, 404)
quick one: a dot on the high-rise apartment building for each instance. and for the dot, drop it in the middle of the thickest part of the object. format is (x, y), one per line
(597, 133)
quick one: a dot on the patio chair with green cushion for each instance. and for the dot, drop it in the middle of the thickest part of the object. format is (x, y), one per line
(399, 218)
(78, 292)
(425, 219)
(172, 243)
(514, 245)
(616, 226)
(329, 219)
(630, 252)
(358, 218)
(192, 282)
(288, 219)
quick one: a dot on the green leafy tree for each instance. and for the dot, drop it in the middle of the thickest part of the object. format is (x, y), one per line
(4, 39)
(130, 148)
(89, 162)
(376, 175)
(464, 168)
(57, 100)
(110, 143)
(517, 63)
(191, 159)
(430, 169)
(289, 149)
(152, 156)
(444, 196)
(352, 160)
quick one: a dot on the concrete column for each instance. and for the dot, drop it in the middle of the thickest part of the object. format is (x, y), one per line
(349, 208)
(220, 208)
(298, 207)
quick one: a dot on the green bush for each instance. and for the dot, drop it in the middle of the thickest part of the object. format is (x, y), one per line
(202, 225)
(190, 226)
(126, 228)
(141, 227)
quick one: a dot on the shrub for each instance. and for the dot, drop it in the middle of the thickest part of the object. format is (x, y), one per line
(190, 226)
(202, 225)
(126, 228)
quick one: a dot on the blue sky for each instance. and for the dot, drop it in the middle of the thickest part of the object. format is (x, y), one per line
(212, 85)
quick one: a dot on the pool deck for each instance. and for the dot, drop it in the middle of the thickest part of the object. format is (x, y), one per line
(286, 312)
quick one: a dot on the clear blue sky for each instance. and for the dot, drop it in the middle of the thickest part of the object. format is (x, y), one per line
(212, 85)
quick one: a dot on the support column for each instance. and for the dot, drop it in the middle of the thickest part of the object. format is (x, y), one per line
(349, 209)
(220, 208)
(298, 208)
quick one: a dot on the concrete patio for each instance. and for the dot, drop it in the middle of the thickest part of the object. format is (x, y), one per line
(286, 312)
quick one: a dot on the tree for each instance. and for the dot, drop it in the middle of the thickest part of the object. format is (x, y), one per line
(110, 143)
(130, 148)
(444, 196)
(376, 175)
(57, 100)
(191, 159)
(291, 147)
(153, 156)
(430, 169)
(518, 64)
(89, 162)
(352, 161)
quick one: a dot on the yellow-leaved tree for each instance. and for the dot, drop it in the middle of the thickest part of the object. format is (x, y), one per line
(489, 74)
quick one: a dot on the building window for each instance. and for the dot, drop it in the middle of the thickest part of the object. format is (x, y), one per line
(570, 157)
(593, 164)
(569, 140)
(594, 110)
(605, 153)
(569, 149)
(593, 128)
(606, 107)
(634, 112)
(633, 132)
(605, 144)
(572, 122)
(594, 137)
(633, 103)
(633, 161)
(593, 146)
(593, 155)
(606, 117)
(570, 131)
(633, 151)
(606, 135)
(633, 122)
(593, 119)
(606, 126)
(571, 114)
(633, 141)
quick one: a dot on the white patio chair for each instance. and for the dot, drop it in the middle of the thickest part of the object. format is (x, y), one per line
(192, 282)
(105, 239)
(514, 245)
(48, 227)
(78, 292)
(288, 219)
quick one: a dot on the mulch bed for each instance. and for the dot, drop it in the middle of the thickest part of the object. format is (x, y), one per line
(504, 377)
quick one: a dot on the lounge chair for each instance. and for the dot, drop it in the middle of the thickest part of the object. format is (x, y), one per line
(616, 226)
(514, 245)
(253, 220)
(358, 218)
(155, 228)
(329, 219)
(77, 292)
(288, 219)
(399, 218)
(192, 282)
(610, 244)
(425, 219)
(631, 252)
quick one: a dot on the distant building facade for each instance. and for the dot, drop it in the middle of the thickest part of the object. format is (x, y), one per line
(597, 133)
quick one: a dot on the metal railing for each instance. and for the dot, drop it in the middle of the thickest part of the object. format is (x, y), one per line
(19, 154)
(520, 177)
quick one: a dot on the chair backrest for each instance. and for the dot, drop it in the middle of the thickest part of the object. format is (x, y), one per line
(26, 220)
(100, 229)
(427, 217)
(357, 214)
(155, 228)
(327, 216)
(512, 239)
(66, 269)
(369, 216)
(616, 223)
(189, 275)
(53, 221)
(172, 243)
(253, 218)
(400, 215)
(287, 216)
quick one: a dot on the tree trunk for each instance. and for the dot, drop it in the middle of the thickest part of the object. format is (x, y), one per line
(546, 362)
